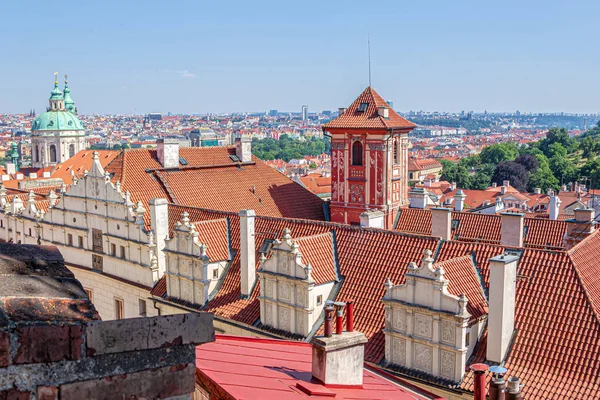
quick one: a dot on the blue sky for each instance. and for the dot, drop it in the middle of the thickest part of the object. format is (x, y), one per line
(229, 56)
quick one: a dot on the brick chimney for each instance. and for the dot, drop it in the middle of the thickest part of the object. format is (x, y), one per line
(247, 252)
(512, 229)
(459, 200)
(167, 151)
(580, 227)
(501, 316)
(243, 148)
(338, 358)
(441, 222)
(371, 219)
(554, 207)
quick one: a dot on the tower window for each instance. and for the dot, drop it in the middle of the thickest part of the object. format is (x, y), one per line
(71, 149)
(357, 153)
(52, 153)
(396, 152)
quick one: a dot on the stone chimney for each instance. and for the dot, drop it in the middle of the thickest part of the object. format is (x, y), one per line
(441, 222)
(554, 207)
(506, 183)
(371, 219)
(580, 227)
(167, 151)
(341, 111)
(11, 168)
(503, 189)
(383, 111)
(338, 358)
(501, 316)
(512, 229)
(494, 185)
(243, 148)
(417, 198)
(459, 200)
(247, 251)
(537, 191)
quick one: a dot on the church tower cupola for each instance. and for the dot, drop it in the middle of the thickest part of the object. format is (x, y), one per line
(57, 101)
(69, 103)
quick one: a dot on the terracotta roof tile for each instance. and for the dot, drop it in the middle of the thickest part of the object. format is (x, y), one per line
(318, 250)
(215, 234)
(353, 118)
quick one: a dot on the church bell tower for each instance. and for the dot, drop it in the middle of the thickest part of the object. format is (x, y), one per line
(369, 160)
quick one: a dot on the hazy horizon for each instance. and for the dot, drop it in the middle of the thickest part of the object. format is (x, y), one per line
(198, 58)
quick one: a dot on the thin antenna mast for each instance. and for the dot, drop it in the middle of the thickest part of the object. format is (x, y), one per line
(369, 46)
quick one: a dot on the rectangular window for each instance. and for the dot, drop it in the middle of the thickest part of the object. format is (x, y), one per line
(1, 223)
(30, 232)
(90, 294)
(319, 300)
(70, 239)
(142, 305)
(215, 273)
(467, 339)
(113, 249)
(80, 239)
(122, 251)
(118, 309)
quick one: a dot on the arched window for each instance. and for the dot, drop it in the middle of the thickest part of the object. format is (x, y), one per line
(36, 153)
(71, 150)
(52, 153)
(357, 153)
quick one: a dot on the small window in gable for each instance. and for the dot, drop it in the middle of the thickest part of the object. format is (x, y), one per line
(467, 339)
(319, 300)
(216, 273)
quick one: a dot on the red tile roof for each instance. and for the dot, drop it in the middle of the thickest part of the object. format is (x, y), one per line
(317, 184)
(80, 163)
(540, 232)
(252, 368)
(318, 251)
(556, 350)
(212, 180)
(369, 118)
(215, 234)
(464, 278)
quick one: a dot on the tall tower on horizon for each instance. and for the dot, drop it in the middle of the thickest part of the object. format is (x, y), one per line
(305, 114)
(369, 160)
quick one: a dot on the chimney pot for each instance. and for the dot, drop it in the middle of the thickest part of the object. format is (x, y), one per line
(328, 321)
(350, 316)
(479, 380)
(514, 389)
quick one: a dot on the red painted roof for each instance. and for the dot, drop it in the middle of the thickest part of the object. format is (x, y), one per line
(251, 368)
(369, 118)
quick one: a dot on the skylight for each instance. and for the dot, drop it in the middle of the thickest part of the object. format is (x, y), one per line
(183, 161)
(363, 107)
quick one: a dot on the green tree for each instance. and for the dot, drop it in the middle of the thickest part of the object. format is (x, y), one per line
(498, 153)
(543, 177)
(589, 147)
(455, 173)
(482, 178)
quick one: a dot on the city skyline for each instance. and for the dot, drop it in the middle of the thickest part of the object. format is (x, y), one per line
(198, 59)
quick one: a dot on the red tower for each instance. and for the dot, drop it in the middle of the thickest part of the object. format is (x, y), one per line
(369, 160)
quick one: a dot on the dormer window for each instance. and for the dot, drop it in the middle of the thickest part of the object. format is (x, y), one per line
(362, 107)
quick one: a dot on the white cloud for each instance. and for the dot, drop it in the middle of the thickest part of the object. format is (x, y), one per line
(186, 74)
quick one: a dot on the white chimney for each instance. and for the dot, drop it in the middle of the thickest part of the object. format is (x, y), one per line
(459, 200)
(383, 111)
(46, 174)
(243, 148)
(33, 175)
(339, 359)
(554, 207)
(167, 151)
(371, 219)
(159, 221)
(494, 184)
(503, 189)
(5, 177)
(417, 198)
(453, 186)
(501, 316)
(11, 168)
(506, 183)
(247, 251)
(341, 111)
(441, 223)
(512, 229)
(537, 191)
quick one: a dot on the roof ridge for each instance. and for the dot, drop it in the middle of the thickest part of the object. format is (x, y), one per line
(584, 240)
(445, 262)
(315, 236)
(205, 221)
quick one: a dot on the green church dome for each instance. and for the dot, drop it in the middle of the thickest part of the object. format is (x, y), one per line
(57, 121)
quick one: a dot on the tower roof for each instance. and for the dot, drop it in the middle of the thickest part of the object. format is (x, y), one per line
(56, 94)
(69, 103)
(363, 113)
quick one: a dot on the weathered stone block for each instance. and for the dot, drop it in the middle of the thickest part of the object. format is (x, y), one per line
(14, 394)
(47, 393)
(149, 333)
(158, 383)
(43, 344)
